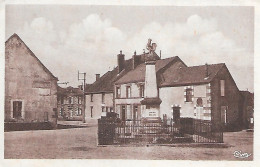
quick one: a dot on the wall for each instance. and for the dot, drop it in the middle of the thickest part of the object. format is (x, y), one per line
(76, 105)
(27, 81)
(231, 98)
(176, 96)
(135, 99)
(97, 104)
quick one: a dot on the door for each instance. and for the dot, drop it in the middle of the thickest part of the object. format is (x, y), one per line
(17, 109)
(224, 114)
(176, 115)
(123, 113)
(136, 113)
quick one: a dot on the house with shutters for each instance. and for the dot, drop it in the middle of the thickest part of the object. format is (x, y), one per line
(70, 104)
(152, 88)
(30, 88)
(147, 86)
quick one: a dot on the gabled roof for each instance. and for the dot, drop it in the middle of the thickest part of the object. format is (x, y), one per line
(138, 74)
(32, 54)
(190, 75)
(106, 82)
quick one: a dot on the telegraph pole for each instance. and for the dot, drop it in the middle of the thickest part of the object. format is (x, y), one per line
(84, 85)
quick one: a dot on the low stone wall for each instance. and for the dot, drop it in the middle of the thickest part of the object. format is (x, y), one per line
(18, 126)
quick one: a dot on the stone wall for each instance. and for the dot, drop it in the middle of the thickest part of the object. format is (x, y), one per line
(28, 81)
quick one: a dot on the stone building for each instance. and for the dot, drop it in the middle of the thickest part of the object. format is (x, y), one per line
(70, 103)
(30, 88)
(151, 89)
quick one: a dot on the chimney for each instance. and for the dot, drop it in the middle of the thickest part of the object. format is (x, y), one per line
(206, 70)
(136, 60)
(97, 76)
(121, 61)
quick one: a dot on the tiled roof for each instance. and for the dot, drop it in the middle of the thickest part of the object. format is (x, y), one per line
(190, 75)
(106, 82)
(69, 90)
(138, 74)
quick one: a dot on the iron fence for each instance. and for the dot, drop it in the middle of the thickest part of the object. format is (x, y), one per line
(162, 132)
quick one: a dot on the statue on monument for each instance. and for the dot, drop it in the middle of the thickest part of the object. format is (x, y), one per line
(151, 47)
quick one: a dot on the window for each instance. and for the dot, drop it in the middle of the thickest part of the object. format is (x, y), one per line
(91, 111)
(128, 91)
(61, 111)
(69, 100)
(189, 95)
(103, 98)
(118, 92)
(103, 109)
(91, 97)
(222, 87)
(141, 93)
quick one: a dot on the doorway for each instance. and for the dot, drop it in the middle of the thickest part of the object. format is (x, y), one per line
(123, 113)
(17, 109)
(136, 113)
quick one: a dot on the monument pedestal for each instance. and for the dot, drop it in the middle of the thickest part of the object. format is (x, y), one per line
(152, 110)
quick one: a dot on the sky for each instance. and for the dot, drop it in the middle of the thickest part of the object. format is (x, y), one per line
(68, 38)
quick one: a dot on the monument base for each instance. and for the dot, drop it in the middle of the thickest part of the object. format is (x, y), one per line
(151, 120)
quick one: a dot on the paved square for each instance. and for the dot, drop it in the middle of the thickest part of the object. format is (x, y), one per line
(81, 143)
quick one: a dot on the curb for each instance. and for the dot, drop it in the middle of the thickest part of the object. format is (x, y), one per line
(191, 145)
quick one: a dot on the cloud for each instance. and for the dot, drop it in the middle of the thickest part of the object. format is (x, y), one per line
(198, 41)
(92, 44)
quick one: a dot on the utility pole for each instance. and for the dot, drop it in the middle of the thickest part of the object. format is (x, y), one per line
(84, 86)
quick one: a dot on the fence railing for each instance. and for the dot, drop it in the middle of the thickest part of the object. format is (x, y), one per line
(164, 132)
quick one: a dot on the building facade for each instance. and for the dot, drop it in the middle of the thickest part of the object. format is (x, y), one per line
(100, 95)
(206, 92)
(132, 89)
(141, 88)
(70, 103)
(30, 88)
